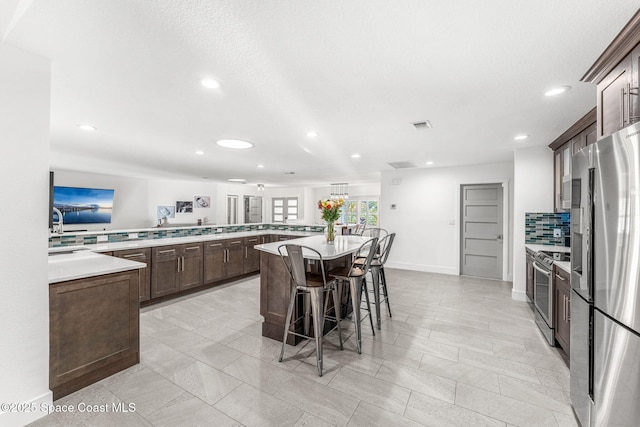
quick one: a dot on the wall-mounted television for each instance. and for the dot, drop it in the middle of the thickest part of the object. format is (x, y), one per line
(83, 205)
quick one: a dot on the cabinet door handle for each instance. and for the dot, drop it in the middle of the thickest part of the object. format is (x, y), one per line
(193, 248)
(226, 255)
(236, 242)
(133, 255)
(178, 259)
(622, 107)
(182, 263)
(568, 309)
(246, 253)
(215, 245)
(167, 251)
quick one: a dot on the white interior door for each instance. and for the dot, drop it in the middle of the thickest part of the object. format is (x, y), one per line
(232, 209)
(481, 230)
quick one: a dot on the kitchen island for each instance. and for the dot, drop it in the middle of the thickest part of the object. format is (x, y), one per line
(93, 318)
(275, 284)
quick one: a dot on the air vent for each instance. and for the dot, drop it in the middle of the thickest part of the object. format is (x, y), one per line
(401, 165)
(422, 125)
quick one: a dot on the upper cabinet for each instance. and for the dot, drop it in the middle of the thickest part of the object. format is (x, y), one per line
(578, 136)
(617, 76)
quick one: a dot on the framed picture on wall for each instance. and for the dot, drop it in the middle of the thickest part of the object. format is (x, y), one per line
(184, 207)
(202, 201)
(166, 212)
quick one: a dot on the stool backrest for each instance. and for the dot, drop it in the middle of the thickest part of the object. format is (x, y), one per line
(375, 232)
(385, 247)
(366, 251)
(293, 258)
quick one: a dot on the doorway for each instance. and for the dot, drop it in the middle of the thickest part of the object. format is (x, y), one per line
(481, 235)
(232, 209)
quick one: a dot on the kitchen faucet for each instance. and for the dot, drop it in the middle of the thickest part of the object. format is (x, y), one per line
(58, 223)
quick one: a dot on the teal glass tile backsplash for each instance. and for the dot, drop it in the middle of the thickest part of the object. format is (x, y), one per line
(539, 228)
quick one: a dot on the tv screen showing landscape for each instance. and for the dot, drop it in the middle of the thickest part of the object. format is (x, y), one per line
(83, 205)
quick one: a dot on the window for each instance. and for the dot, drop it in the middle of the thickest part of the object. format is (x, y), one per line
(360, 212)
(284, 209)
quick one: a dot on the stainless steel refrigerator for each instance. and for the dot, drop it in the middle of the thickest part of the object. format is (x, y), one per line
(605, 281)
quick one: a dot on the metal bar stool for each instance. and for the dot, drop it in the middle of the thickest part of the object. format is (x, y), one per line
(377, 273)
(313, 285)
(355, 276)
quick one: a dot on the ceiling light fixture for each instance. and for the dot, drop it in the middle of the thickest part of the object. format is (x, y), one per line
(340, 190)
(429, 163)
(236, 144)
(240, 180)
(210, 83)
(312, 134)
(260, 187)
(88, 128)
(557, 90)
(355, 156)
(260, 166)
(200, 152)
(520, 137)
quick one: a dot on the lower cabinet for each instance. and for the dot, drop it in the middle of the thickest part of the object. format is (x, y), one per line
(94, 326)
(223, 259)
(562, 307)
(140, 255)
(251, 255)
(176, 268)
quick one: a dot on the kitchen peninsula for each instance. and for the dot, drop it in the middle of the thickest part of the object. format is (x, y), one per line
(275, 282)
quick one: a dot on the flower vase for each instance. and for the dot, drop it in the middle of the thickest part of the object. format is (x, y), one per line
(331, 232)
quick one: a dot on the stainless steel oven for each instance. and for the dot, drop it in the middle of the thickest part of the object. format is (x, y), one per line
(543, 295)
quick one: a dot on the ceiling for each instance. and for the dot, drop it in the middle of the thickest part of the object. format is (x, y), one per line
(358, 73)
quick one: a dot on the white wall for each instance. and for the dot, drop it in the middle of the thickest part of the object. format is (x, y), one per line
(163, 192)
(24, 169)
(427, 202)
(533, 190)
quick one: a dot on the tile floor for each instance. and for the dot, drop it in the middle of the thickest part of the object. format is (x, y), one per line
(457, 352)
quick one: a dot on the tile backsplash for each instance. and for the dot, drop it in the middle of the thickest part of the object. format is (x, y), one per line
(539, 228)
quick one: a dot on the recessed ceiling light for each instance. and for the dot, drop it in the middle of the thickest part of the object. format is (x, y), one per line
(210, 83)
(429, 163)
(260, 166)
(312, 134)
(234, 143)
(520, 137)
(242, 180)
(199, 152)
(355, 156)
(87, 127)
(557, 90)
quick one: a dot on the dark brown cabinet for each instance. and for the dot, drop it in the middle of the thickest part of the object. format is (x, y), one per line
(175, 268)
(93, 329)
(530, 278)
(578, 136)
(615, 98)
(223, 259)
(140, 255)
(616, 74)
(562, 307)
(251, 255)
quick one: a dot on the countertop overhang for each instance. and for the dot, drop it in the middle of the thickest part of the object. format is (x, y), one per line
(81, 264)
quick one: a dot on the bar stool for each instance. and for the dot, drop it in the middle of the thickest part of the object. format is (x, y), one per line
(377, 274)
(355, 276)
(313, 285)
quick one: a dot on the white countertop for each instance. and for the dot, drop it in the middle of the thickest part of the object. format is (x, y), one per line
(343, 245)
(148, 243)
(81, 264)
(547, 248)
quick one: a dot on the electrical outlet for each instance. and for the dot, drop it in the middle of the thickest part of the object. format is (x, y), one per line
(103, 238)
(218, 230)
(307, 229)
(557, 232)
(133, 236)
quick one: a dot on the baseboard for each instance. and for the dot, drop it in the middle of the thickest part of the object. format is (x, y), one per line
(519, 295)
(421, 267)
(38, 408)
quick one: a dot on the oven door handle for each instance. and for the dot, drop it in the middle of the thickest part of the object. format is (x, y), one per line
(545, 272)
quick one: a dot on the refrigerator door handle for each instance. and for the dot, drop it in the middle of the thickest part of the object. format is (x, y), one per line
(590, 231)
